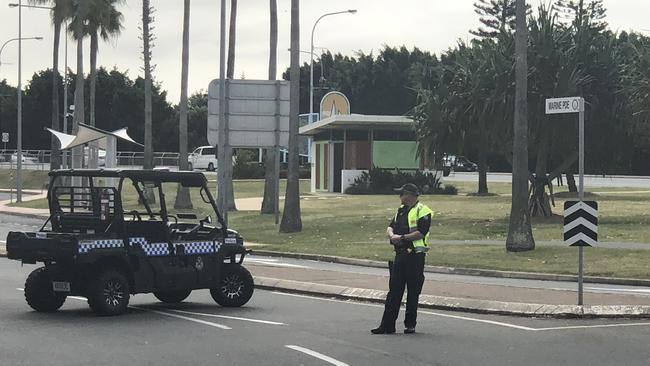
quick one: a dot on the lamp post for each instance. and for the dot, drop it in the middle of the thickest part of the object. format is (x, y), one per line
(311, 64)
(15, 39)
(19, 122)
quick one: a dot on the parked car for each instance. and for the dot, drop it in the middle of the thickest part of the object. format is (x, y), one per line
(203, 157)
(457, 163)
(26, 158)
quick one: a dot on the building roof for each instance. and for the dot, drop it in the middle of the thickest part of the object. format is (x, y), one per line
(357, 121)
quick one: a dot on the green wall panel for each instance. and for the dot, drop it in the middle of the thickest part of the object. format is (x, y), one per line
(395, 154)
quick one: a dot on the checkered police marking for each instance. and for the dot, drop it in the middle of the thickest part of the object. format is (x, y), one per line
(85, 246)
(162, 249)
(201, 247)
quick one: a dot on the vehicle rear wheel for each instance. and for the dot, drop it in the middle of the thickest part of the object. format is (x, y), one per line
(235, 288)
(39, 293)
(172, 297)
(210, 167)
(109, 293)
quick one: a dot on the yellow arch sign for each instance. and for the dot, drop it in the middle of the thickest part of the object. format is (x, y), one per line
(334, 103)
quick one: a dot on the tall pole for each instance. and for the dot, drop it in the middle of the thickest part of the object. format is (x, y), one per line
(581, 193)
(65, 94)
(221, 151)
(311, 63)
(19, 133)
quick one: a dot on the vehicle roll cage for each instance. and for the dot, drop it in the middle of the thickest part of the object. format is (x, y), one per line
(139, 177)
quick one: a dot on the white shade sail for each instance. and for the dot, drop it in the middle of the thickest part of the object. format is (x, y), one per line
(86, 134)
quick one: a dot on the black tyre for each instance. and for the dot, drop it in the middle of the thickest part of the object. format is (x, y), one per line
(39, 292)
(210, 167)
(109, 293)
(235, 288)
(172, 297)
(190, 167)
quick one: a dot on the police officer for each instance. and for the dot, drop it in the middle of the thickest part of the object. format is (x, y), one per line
(408, 233)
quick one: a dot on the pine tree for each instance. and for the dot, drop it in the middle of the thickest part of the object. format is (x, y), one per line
(583, 13)
(498, 16)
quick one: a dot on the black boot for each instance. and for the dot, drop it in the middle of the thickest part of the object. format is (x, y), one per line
(382, 330)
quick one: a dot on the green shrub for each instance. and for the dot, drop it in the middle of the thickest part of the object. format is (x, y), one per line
(383, 181)
(246, 166)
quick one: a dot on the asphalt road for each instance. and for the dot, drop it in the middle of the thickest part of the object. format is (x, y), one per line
(285, 329)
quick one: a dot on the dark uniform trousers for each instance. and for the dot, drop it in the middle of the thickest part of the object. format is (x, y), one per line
(406, 271)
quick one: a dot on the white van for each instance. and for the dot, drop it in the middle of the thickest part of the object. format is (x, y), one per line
(203, 157)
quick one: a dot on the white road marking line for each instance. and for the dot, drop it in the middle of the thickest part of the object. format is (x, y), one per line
(229, 317)
(640, 291)
(503, 324)
(216, 325)
(273, 263)
(507, 325)
(594, 326)
(317, 355)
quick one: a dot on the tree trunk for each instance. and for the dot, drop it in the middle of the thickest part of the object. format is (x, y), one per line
(482, 163)
(291, 221)
(232, 33)
(571, 182)
(146, 48)
(93, 154)
(520, 233)
(55, 156)
(183, 199)
(539, 201)
(268, 203)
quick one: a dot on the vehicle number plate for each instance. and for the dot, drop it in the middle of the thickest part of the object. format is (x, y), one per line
(61, 286)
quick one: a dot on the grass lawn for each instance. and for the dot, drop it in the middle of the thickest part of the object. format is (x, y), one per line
(354, 226)
(31, 179)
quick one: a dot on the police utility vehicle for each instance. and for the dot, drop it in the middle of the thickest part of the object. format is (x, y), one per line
(110, 235)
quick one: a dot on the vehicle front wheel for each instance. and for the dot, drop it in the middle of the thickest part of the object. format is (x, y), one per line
(190, 167)
(172, 297)
(109, 293)
(39, 292)
(210, 167)
(235, 288)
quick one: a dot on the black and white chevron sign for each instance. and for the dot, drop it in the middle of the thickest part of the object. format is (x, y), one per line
(581, 223)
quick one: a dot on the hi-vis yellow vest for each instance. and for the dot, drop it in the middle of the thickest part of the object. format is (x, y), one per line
(416, 213)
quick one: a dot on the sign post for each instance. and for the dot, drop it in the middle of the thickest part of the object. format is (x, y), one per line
(575, 105)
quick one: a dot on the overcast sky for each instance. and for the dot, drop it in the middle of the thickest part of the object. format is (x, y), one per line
(432, 25)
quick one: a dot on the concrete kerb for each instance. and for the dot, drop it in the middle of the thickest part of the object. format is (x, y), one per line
(462, 271)
(457, 304)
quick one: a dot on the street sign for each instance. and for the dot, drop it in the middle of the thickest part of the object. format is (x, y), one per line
(581, 223)
(576, 105)
(251, 112)
(564, 105)
(5, 137)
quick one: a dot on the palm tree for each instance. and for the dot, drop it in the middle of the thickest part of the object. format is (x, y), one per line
(520, 233)
(291, 221)
(183, 199)
(81, 10)
(106, 22)
(61, 11)
(268, 203)
(147, 39)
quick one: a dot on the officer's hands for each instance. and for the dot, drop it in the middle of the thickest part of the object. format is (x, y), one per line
(395, 239)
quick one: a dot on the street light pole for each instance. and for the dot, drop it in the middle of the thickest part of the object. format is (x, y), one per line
(15, 39)
(311, 64)
(19, 132)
